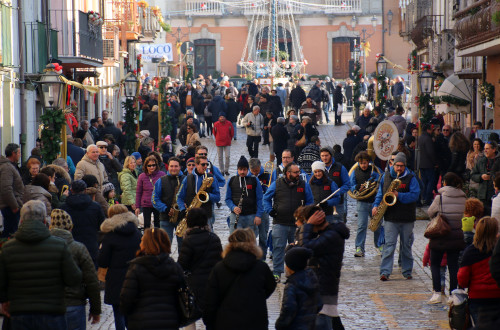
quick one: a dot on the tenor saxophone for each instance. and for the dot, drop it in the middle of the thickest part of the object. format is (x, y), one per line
(389, 199)
(200, 198)
(175, 207)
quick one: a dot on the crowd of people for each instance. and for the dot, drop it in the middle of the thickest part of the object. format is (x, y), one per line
(103, 217)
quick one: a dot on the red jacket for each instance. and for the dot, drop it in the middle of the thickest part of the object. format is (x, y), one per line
(426, 260)
(474, 273)
(223, 133)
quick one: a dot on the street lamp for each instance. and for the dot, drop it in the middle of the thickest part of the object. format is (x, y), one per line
(426, 82)
(163, 69)
(374, 22)
(51, 88)
(131, 84)
(381, 65)
(354, 21)
(189, 58)
(390, 16)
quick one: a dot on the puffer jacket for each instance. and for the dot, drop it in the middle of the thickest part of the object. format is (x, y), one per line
(301, 302)
(89, 286)
(38, 193)
(11, 185)
(453, 210)
(120, 243)
(328, 251)
(128, 185)
(88, 166)
(199, 253)
(34, 269)
(149, 294)
(145, 187)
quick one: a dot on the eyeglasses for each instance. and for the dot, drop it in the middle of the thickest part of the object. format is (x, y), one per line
(202, 154)
(151, 165)
(204, 164)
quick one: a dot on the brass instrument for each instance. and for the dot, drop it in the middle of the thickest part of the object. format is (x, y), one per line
(389, 199)
(175, 207)
(200, 198)
(366, 189)
(269, 168)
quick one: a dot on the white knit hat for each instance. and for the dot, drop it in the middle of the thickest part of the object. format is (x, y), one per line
(318, 165)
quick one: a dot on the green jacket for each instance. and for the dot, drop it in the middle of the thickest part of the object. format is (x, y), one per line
(485, 190)
(89, 287)
(128, 184)
(34, 269)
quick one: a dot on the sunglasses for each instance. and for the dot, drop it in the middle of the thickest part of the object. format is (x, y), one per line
(202, 154)
(151, 165)
(204, 164)
(102, 147)
(191, 165)
(446, 130)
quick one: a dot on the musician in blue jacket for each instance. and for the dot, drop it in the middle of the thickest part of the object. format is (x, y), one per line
(322, 187)
(338, 173)
(257, 170)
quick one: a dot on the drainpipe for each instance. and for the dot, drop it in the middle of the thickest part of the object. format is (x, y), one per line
(383, 28)
(22, 84)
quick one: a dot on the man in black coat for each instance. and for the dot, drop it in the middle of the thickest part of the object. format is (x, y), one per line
(74, 152)
(110, 128)
(233, 109)
(297, 97)
(280, 137)
(189, 98)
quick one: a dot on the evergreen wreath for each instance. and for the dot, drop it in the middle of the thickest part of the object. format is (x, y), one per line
(450, 100)
(53, 121)
(423, 101)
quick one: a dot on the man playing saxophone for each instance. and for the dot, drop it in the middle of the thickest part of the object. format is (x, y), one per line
(399, 218)
(165, 200)
(248, 189)
(192, 183)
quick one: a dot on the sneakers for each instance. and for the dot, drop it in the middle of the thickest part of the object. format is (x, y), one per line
(277, 278)
(359, 252)
(435, 299)
(408, 277)
(384, 278)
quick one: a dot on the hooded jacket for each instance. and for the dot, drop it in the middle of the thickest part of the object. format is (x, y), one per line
(87, 216)
(89, 286)
(11, 185)
(88, 166)
(239, 274)
(301, 302)
(120, 242)
(328, 251)
(128, 184)
(38, 193)
(34, 269)
(149, 294)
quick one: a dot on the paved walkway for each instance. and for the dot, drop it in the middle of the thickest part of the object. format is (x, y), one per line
(365, 302)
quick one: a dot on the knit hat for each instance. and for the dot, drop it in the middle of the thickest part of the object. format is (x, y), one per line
(78, 186)
(167, 138)
(222, 114)
(297, 257)
(190, 160)
(107, 186)
(136, 155)
(60, 219)
(318, 165)
(327, 149)
(101, 143)
(243, 163)
(145, 133)
(400, 158)
(184, 149)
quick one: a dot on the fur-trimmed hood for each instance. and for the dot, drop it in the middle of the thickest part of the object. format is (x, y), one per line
(241, 256)
(119, 221)
(60, 172)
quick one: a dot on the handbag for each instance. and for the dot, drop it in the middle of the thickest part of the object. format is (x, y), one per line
(362, 98)
(189, 311)
(340, 108)
(458, 314)
(439, 226)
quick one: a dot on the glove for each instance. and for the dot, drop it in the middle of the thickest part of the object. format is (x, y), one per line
(273, 213)
(323, 205)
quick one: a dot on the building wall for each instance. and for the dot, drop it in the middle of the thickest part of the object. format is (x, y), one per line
(493, 64)
(396, 49)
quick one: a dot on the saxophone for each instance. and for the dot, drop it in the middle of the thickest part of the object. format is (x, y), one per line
(175, 207)
(389, 199)
(200, 198)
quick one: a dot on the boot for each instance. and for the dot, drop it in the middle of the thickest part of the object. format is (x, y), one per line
(337, 323)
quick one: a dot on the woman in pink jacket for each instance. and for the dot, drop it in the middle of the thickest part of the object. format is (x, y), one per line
(145, 185)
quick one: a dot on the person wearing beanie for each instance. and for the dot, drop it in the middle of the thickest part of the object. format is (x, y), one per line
(244, 198)
(109, 193)
(138, 163)
(399, 219)
(322, 187)
(76, 296)
(301, 299)
(362, 174)
(223, 131)
(190, 165)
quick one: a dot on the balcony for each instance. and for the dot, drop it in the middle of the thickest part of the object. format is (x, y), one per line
(123, 14)
(469, 67)
(422, 31)
(80, 40)
(36, 46)
(204, 8)
(150, 27)
(476, 33)
(343, 6)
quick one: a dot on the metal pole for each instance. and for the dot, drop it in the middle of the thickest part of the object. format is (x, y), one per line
(364, 51)
(22, 84)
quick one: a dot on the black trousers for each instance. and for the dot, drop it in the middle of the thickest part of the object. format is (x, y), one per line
(338, 119)
(146, 212)
(253, 146)
(452, 261)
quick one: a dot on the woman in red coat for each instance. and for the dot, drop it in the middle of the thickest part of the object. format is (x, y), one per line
(474, 273)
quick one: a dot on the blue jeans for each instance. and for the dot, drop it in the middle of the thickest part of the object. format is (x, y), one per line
(10, 221)
(428, 176)
(120, 320)
(392, 231)
(263, 230)
(245, 221)
(38, 322)
(234, 129)
(76, 317)
(326, 106)
(281, 236)
(364, 209)
(170, 227)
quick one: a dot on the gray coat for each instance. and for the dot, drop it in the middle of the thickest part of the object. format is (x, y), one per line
(11, 185)
(427, 153)
(453, 207)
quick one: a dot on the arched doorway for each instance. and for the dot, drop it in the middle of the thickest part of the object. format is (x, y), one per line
(284, 42)
(204, 57)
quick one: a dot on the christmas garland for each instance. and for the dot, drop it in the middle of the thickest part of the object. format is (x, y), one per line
(450, 100)
(487, 92)
(130, 116)
(357, 85)
(412, 61)
(166, 121)
(423, 101)
(53, 121)
(382, 91)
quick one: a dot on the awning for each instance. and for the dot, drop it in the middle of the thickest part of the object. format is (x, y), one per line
(452, 108)
(454, 86)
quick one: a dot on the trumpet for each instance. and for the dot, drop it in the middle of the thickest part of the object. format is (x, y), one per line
(269, 168)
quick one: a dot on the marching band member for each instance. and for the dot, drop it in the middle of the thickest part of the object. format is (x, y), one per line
(287, 158)
(288, 193)
(212, 169)
(360, 175)
(322, 187)
(192, 183)
(246, 190)
(164, 197)
(340, 176)
(257, 171)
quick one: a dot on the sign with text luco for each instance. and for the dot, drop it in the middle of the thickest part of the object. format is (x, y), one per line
(150, 51)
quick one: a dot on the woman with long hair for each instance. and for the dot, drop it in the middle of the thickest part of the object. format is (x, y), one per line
(475, 152)
(475, 274)
(459, 146)
(450, 203)
(145, 185)
(238, 286)
(149, 294)
(128, 183)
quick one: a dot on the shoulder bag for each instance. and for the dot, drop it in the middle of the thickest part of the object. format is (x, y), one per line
(189, 311)
(439, 226)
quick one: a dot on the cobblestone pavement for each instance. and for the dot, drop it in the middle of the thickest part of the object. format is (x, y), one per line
(365, 302)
